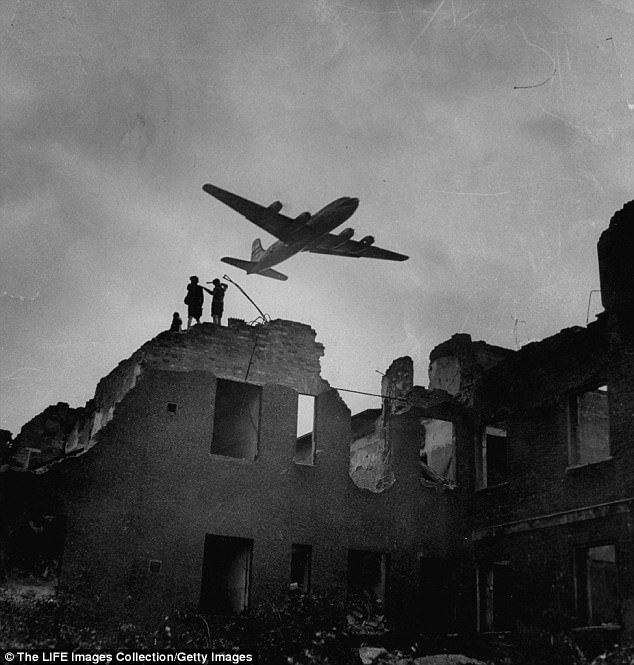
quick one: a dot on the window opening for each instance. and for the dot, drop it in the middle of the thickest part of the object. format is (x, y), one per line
(596, 585)
(492, 458)
(589, 426)
(305, 441)
(367, 581)
(300, 567)
(171, 408)
(236, 419)
(226, 575)
(437, 451)
(494, 596)
(154, 565)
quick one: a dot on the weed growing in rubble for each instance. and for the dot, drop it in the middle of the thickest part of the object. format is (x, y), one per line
(304, 630)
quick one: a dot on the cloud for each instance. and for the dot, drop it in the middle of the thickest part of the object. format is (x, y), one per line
(114, 117)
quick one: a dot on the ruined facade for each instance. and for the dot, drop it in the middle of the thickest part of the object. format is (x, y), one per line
(184, 483)
(552, 526)
(501, 493)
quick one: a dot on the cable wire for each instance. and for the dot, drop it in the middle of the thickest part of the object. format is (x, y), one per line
(264, 318)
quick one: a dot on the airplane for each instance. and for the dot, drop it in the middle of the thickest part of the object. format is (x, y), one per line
(305, 233)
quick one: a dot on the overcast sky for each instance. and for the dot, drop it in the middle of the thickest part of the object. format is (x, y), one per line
(491, 140)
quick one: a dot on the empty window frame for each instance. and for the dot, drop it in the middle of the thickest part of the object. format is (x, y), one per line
(305, 439)
(301, 556)
(367, 580)
(492, 458)
(226, 575)
(494, 596)
(155, 565)
(589, 426)
(236, 419)
(438, 447)
(596, 585)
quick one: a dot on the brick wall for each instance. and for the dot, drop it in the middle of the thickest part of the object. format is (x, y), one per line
(149, 489)
(550, 507)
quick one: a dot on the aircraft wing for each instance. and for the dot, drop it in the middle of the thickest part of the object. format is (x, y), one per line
(332, 244)
(276, 224)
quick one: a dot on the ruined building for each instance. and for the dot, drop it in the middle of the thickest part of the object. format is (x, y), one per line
(500, 493)
(184, 482)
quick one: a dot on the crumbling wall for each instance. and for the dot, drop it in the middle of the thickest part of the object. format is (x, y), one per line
(371, 465)
(370, 453)
(151, 490)
(397, 381)
(370, 460)
(438, 447)
(444, 374)
(141, 502)
(557, 502)
(43, 439)
(110, 391)
(281, 352)
(615, 249)
(61, 430)
(457, 365)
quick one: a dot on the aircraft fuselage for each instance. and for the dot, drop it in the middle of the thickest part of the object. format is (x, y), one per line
(321, 223)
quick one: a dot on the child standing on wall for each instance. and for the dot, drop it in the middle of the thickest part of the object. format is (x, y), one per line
(217, 302)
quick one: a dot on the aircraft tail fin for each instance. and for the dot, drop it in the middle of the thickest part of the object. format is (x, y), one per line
(256, 250)
(246, 265)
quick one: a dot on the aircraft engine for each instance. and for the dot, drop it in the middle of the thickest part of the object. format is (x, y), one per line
(368, 240)
(343, 237)
(303, 218)
(276, 206)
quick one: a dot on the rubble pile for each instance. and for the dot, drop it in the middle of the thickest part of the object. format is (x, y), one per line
(380, 656)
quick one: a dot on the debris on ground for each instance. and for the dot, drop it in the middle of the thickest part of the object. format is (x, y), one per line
(620, 656)
(379, 656)
(447, 659)
(366, 625)
(369, 654)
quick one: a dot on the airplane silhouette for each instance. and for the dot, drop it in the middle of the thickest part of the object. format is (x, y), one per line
(305, 233)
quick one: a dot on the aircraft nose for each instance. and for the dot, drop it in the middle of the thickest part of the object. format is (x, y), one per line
(352, 203)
